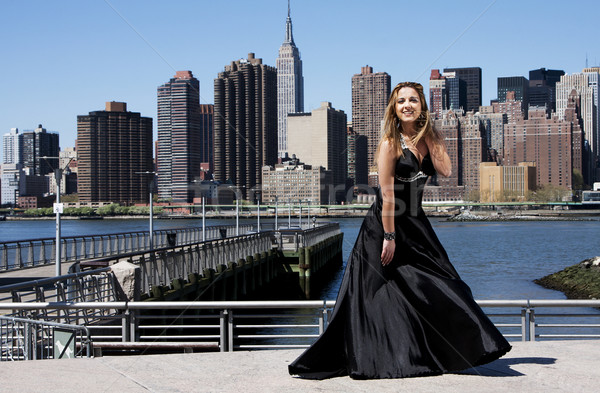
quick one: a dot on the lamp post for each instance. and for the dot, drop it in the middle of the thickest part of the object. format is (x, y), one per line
(276, 211)
(237, 208)
(258, 211)
(196, 182)
(203, 221)
(58, 209)
(151, 212)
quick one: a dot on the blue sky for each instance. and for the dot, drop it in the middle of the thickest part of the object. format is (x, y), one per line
(60, 59)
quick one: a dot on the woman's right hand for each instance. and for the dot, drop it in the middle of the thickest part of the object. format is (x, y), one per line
(387, 252)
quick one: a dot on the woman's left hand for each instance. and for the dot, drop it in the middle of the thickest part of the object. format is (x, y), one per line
(387, 253)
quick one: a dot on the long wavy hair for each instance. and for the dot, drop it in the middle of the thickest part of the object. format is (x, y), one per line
(393, 126)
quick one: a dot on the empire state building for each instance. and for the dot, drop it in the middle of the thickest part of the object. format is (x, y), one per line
(290, 85)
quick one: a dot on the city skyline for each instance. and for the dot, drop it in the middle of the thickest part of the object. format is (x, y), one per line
(64, 59)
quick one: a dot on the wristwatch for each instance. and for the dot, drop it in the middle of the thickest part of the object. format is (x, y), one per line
(389, 235)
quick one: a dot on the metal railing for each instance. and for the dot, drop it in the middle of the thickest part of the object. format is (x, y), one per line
(231, 325)
(29, 339)
(166, 265)
(158, 267)
(93, 285)
(293, 239)
(37, 252)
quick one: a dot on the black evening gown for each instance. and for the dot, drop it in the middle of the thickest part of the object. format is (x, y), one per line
(414, 317)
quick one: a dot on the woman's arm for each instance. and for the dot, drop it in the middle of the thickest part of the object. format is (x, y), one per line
(386, 164)
(439, 156)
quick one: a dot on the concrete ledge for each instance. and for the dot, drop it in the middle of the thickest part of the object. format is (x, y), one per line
(546, 366)
(171, 347)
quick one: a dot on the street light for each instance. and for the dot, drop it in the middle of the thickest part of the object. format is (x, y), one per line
(237, 208)
(151, 212)
(203, 208)
(276, 227)
(289, 213)
(258, 210)
(58, 208)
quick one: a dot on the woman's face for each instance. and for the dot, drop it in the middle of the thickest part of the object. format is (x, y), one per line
(408, 105)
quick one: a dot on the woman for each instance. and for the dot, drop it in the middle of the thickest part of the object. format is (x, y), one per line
(402, 309)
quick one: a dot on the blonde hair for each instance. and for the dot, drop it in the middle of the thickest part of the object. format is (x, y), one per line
(392, 128)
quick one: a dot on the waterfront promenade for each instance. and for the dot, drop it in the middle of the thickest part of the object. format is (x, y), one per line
(547, 366)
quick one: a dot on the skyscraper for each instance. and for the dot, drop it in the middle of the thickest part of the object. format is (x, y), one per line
(438, 95)
(358, 174)
(472, 78)
(318, 138)
(179, 137)
(542, 87)
(474, 149)
(456, 90)
(585, 85)
(114, 146)
(465, 138)
(370, 94)
(554, 144)
(37, 144)
(207, 114)
(245, 127)
(290, 84)
(518, 84)
(494, 128)
(12, 144)
(448, 188)
(12, 181)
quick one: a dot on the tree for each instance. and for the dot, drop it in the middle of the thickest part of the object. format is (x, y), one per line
(550, 193)
(107, 210)
(578, 183)
(473, 196)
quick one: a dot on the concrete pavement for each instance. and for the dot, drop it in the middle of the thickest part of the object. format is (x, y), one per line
(545, 366)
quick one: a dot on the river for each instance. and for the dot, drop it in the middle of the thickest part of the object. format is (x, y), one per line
(499, 260)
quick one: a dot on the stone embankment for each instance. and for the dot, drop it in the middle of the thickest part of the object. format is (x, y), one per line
(580, 281)
(546, 215)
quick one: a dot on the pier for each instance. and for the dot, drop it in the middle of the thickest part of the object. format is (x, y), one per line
(213, 263)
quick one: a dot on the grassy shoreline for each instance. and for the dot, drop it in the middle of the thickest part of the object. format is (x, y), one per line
(580, 281)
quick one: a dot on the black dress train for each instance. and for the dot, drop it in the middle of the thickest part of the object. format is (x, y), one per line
(413, 317)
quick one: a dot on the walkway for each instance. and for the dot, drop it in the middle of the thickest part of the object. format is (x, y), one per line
(547, 366)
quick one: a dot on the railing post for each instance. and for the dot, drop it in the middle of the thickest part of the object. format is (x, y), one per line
(133, 324)
(125, 321)
(30, 255)
(83, 248)
(64, 254)
(28, 348)
(93, 247)
(4, 258)
(531, 324)
(18, 256)
(230, 330)
(296, 241)
(42, 258)
(322, 318)
(524, 318)
(222, 331)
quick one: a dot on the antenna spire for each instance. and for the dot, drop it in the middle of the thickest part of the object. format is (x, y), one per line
(289, 38)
